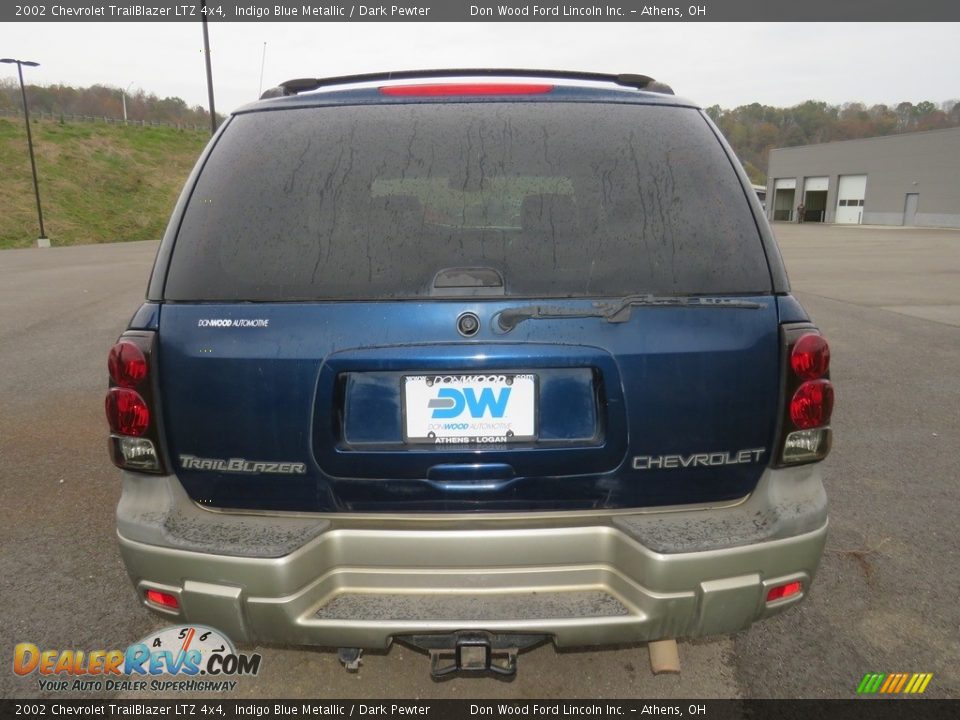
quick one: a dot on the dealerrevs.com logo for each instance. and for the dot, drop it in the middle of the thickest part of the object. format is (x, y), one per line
(179, 658)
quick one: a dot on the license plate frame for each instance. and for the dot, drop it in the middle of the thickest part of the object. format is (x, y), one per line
(501, 420)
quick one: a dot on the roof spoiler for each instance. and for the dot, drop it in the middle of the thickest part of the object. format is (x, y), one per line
(299, 85)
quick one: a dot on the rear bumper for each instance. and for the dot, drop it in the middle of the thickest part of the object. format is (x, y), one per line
(580, 578)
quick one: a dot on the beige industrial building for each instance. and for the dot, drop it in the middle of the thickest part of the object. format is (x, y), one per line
(911, 179)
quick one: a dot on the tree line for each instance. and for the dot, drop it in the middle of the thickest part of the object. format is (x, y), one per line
(754, 129)
(100, 101)
(751, 129)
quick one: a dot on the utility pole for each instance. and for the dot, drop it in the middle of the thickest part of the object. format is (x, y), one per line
(43, 240)
(206, 55)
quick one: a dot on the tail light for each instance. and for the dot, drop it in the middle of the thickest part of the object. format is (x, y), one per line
(127, 412)
(810, 357)
(126, 364)
(130, 403)
(808, 396)
(811, 404)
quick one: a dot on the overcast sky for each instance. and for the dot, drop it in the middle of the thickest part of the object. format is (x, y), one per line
(728, 64)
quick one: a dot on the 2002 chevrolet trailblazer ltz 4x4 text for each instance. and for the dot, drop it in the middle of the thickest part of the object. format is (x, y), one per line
(470, 360)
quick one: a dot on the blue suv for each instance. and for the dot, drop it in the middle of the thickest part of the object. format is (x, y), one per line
(471, 360)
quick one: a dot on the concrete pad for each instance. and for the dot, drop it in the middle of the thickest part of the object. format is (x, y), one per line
(877, 267)
(946, 314)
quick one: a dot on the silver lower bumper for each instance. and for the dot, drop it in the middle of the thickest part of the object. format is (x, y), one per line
(580, 578)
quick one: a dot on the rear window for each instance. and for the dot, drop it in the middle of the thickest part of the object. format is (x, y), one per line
(373, 201)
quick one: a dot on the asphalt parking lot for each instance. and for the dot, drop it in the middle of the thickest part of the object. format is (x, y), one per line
(885, 599)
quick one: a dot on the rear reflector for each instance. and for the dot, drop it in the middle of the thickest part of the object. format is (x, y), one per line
(162, 599)
(447, 89)
(127, 412)
(784, 591)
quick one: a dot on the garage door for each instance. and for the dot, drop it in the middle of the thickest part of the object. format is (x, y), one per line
(815, 199)
(784, 191)
(850, 194)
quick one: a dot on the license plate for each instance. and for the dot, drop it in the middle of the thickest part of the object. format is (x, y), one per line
(455, 409)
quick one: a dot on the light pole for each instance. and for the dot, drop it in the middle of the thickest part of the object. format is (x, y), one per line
(42, 241)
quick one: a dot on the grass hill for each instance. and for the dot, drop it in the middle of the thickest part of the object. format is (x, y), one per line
(98, 183)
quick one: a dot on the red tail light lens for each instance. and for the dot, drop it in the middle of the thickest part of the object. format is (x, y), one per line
(127, 412)
(812, 404)
(447, 89)
(810, 358)
(127, 364)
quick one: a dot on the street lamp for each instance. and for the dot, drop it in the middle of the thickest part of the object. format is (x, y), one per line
(42, 241)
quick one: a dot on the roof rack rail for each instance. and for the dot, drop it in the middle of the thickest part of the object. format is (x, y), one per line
(299, 85)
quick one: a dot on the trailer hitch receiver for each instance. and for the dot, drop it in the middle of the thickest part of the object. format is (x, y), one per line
(473, 652)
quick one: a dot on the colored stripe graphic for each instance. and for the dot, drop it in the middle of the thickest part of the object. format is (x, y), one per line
(890, 682)
(875, 685)
(923, 679)
(894, 683)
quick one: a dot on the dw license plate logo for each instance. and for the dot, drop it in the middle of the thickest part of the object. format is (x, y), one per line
(469, 408)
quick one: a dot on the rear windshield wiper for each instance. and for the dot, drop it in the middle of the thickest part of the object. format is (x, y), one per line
(615, 312)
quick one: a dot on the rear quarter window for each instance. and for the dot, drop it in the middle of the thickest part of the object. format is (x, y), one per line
(372, 201)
